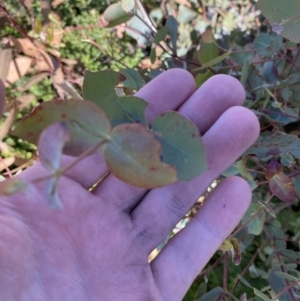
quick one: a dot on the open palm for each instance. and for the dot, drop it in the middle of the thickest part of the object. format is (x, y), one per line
(97, 247)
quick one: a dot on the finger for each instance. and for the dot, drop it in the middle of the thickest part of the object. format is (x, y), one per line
(162, 208)
(2, 97)
(217, 95)
(186, 254)
(203, 107)
(161, 93)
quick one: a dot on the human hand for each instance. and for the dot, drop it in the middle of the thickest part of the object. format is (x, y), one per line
(97, 247)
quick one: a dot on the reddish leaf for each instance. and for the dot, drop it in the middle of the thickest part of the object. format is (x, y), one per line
(280, 184)
(273, 168)
(133, 155)
(87, 123)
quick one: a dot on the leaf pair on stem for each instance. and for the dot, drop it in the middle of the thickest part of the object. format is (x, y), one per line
(145, 157)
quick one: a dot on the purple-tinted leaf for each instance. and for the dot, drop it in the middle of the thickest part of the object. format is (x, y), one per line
(273, 168)
(280, 184)
(283, 187)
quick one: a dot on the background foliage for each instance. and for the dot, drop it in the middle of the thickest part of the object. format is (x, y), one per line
(47, 48)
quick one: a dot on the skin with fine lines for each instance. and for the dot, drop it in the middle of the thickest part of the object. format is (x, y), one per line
(97, 247)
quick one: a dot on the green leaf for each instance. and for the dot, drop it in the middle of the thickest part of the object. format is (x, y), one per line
(116, 15)
(261, 295)
(231, 171)
(253, 271)
(215, 60)
(133, 79)
(181, 144)
(104, 81)
(127, 5)
(267, 208)
(153, 55)
(172, 25)
(244, 281)
(276, 231)
(270, 72)
(161, 34)
(278, 284)
(284, 115)
(201, 78)
(275, 144)
(286, 276)
(87, 123)
(245, 72)
(253, 185)
(133, 155)
(99, 87)
(283, 17)
(208, 48)
(212, 295)
(202, 289)
(297, 185)
(242, 168)
(265, 44)
(257, 222)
